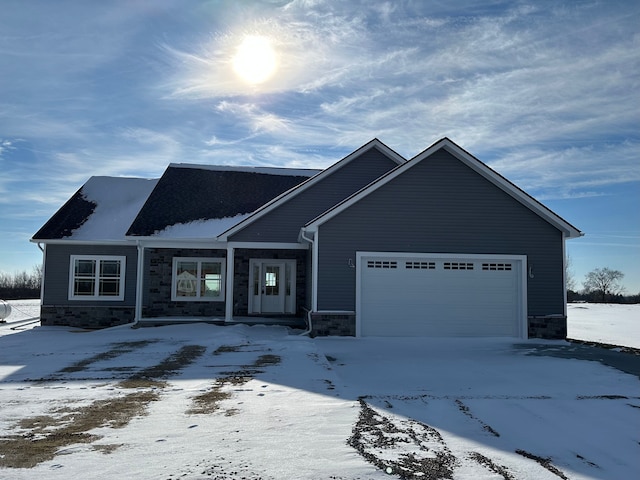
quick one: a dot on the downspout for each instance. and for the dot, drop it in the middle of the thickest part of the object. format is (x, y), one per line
(313, 254)
(139, 285)
(44, 257)
(564, 272)
(228, 308)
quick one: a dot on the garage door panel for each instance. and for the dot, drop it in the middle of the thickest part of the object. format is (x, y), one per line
(439, 297)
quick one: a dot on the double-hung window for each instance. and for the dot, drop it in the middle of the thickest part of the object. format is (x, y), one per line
(198, 279)
(96, 277)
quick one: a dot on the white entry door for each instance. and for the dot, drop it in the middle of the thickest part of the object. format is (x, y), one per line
(272, 286)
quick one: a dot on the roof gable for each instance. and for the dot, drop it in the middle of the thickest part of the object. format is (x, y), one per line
(469, 160)
(198, 195)
(308, 184)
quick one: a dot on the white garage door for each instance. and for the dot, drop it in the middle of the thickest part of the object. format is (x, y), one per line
(438, 295)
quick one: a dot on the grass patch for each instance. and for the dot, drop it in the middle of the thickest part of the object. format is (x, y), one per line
(267, 360)
(108, 448)
(173, 363)
(228, 349)
(41, 437)
(45, 435)
(117, 350)
(209, 401)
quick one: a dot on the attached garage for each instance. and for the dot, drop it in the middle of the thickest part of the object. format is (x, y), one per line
(407, 294)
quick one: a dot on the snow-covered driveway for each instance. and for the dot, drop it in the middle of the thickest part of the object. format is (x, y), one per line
(199, 401)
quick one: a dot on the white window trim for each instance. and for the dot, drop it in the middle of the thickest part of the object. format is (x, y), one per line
(198, 260)
(97, 258)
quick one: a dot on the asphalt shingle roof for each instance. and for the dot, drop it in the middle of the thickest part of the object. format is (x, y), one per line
(186, 194)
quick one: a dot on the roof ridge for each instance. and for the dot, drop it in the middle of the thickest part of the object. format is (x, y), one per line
(264, 169)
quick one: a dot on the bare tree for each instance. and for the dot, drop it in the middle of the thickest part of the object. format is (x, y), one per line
(604, 281)
(21, 284)
(570, 280)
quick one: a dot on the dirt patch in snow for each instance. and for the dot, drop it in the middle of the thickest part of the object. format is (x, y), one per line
(491, 465)
(210, 401)
(399, 446)
(464, 409)
(117, 350)
(39, 438)
(545, 462)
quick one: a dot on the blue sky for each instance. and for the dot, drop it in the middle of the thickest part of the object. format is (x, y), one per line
(544, 92)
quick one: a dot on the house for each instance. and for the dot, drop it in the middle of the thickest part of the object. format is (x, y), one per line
(439, 245)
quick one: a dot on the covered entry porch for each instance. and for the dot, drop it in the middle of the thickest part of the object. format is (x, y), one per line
(266, 283)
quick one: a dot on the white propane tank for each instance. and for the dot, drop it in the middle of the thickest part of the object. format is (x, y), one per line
(5, 310)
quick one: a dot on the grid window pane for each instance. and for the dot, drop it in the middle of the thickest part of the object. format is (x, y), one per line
(84, 287)
(109, 268)
(85, 268)
(110, 287)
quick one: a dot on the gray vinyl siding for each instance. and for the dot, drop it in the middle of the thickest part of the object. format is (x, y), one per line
(440, 206)
(284, 222)
(56, 273)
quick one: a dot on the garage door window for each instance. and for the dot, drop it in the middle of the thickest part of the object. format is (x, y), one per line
(458, 266)
(381, 264)
(420, 265)
(496, 266)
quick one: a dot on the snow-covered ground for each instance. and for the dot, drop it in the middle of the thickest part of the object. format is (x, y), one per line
(201, 401)
(604, 323)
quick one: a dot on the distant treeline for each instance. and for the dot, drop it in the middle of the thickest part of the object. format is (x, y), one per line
(596, 296)
(21, 285)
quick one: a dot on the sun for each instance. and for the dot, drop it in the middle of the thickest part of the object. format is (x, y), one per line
(255, 60)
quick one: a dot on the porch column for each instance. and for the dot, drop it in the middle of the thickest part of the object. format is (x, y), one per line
(139, 283)
(228, 315)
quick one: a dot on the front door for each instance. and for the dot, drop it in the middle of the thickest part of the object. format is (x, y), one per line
(272, 286)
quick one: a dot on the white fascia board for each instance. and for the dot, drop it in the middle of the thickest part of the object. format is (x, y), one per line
(569, 230)
(62, 241)
(148, 242)
(269, 245)
(293, 192)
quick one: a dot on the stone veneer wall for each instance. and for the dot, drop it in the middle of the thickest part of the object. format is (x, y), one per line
(344, 324)
(553, 327)
(241, 279)
(86, 316)
(157, 296)
(327, 323)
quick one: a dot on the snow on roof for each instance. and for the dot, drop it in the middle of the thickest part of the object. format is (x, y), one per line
(294, 172)
(118, 200)
(200, 229)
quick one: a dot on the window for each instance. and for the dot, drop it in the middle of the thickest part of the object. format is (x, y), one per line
(382, 264)
(197, 279)
(496, 266)
(420, 265)
(96, 277)
(458, 266)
